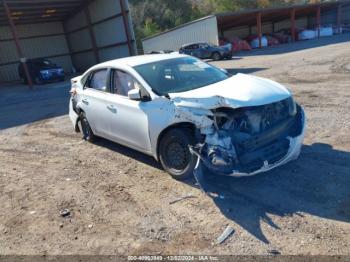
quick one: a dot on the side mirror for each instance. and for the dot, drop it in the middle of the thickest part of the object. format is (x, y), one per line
(134, 94)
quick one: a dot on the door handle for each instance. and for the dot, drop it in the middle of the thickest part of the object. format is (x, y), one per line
(112, 108)
(85, 101)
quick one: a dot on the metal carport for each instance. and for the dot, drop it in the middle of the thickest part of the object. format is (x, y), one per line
(72, 33)
(243, 23)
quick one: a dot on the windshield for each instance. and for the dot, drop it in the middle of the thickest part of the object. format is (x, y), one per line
(179, 75)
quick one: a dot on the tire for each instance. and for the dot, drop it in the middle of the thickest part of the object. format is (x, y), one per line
(88, 135)
(174, 154)
(216, 56)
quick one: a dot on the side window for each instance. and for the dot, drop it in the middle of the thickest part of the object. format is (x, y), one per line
(84, 80)
(123, 83)
(98, 80)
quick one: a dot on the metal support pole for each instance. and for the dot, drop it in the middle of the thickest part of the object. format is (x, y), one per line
(339, 16)
(92, 34)
(126, 27)
(258, 28)
(318, 18)
(292, 19)
(69, 43)
(18, 46)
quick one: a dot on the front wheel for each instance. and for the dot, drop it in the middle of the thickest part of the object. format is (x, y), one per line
(175, 155)
(216, 56)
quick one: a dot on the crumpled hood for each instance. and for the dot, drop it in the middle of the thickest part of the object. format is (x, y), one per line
(237, 91)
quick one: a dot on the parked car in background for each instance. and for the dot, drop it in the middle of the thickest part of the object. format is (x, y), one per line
(160, 52)
(206, 51)
(42, 70)
(179, 109)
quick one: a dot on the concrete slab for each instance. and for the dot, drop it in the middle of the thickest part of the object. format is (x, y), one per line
(20, 105)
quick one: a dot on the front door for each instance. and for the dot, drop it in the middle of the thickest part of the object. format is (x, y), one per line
(128, 120)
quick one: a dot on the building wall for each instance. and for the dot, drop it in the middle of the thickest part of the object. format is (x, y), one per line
(267, 28)
(204, 30)
(346, 14)
(108, 28)
(37, 40)
(330, 17)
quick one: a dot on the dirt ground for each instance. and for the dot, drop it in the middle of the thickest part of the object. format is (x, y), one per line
(120, 199)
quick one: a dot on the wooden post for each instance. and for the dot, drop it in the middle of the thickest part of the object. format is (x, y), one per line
(18, 46)
(318, 20)
(126, 27)
(259, 29)
(292, 19)
(92, 34)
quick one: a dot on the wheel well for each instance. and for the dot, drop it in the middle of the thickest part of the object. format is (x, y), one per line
(78, 110)
(187, 125)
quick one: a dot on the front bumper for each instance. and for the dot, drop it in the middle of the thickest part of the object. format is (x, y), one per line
(52, 75)
(295, 144)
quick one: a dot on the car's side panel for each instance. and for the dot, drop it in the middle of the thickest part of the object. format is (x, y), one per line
(128, 122)
(93, 103)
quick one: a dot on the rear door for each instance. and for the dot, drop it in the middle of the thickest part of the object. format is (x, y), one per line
(94, 101)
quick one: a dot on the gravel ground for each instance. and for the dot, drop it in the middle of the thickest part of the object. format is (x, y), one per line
(119, 199)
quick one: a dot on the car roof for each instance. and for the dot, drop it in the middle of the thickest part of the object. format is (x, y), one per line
(196, 43)
(139, 60)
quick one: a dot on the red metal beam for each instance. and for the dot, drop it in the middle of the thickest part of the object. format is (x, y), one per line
(126, 27)
(318, 20)
(259, 28)
(292, 19)
(18, 46)
(92, 34)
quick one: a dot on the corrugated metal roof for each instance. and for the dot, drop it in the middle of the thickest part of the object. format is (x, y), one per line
(236, 19)
(37, 11)
(180, 26)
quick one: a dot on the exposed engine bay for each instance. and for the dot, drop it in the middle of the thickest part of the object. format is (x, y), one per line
(246, 139)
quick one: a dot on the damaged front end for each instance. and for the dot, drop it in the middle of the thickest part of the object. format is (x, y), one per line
(249, 140)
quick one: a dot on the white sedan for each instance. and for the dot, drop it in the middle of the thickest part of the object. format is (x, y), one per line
(179, 109)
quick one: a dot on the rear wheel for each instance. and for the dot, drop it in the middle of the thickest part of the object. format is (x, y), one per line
(88, 135)
(175, 155)
(216, 56)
